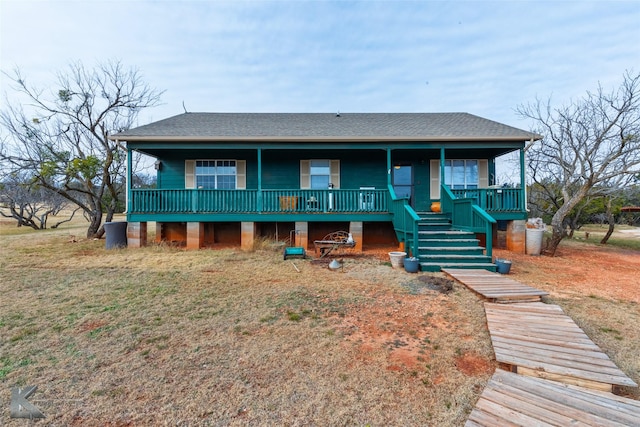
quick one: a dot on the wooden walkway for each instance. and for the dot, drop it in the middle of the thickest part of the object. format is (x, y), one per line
(496, 287)
(539, 340)
(515, 400)
(553, 374)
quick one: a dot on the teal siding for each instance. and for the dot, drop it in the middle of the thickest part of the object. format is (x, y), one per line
(171, 175)
(281, 169)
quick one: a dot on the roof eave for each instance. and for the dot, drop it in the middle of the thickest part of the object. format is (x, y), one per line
(165, 138)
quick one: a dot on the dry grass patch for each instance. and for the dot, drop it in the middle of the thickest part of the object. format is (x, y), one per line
(161, 335)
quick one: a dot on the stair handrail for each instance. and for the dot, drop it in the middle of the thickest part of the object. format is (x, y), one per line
(468, 216)
(405, 221)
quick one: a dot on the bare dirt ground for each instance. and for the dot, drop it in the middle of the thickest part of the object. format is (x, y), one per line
(579, 270)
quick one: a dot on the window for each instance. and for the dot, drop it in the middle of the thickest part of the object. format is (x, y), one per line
(461, 174)
(320, 173)
(216, 174)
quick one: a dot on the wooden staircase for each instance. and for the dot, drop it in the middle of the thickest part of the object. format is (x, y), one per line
(439, 246)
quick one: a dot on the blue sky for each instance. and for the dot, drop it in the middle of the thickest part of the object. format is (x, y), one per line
(481, 57)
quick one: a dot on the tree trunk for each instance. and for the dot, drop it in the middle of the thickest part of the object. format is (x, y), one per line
(558, 233)
(611, 219)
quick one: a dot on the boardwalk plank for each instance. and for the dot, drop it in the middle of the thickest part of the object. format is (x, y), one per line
(547, 345)
(592, 351)
(542, 402)
(496, 287)
(616, 408)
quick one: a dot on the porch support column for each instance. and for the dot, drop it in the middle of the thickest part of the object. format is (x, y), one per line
(247, 235)
(127, 201)
(259, 196)
(302, 234)
(136, 234)
(388, 166)
(158, 232)
(523, 183)
(355, 228)
(516, 235)
(442, 158)
(195, 235)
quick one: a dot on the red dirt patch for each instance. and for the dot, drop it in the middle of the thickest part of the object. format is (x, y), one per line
(401, 326)
(473, 365)
(579, 270)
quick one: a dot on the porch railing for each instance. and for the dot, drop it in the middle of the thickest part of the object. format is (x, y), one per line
(405, 221)
(494, 199)
(467, 215)
(258, 201)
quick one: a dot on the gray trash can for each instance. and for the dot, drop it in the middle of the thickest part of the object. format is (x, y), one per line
(116, 234)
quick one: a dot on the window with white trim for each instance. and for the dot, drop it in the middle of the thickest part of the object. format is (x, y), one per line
(461, 174)
(216, 174)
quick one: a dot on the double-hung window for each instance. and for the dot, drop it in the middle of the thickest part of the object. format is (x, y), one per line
(317, 174)
(215, 174)
(461, 174)
(320, 173)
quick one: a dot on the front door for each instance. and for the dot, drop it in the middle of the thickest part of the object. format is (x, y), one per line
(402, 178)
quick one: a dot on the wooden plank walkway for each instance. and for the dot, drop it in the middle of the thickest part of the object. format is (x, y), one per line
(496, 287)
(515, 400)
(539, 340)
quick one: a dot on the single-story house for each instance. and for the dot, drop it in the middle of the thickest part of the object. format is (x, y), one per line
(236, 177)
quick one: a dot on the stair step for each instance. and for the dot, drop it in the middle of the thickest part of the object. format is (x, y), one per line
(450, 233)
(434, 224)
(433, 250)
(437, 266)
(479, 257)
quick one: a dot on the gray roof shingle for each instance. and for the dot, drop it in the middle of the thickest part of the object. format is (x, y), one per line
(325, 126)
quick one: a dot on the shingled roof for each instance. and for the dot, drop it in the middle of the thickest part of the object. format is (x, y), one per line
(324, 126)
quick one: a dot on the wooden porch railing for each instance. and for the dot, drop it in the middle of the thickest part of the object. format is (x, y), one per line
(467, 215)
(258, 201)
(494, 199)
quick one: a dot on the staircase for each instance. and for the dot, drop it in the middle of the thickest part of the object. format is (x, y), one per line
(441, 247)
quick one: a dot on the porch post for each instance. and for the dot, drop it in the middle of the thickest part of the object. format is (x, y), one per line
(127, 200)
(259, 196)
(442, 158)
(388, 167)
(523, 183)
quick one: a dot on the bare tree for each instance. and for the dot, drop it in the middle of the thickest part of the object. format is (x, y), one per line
(61, 135)
(586, 144)
(29, 203)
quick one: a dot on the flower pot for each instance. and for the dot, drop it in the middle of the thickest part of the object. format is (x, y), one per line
(411, 265)
(397, 259)
(503, 266)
